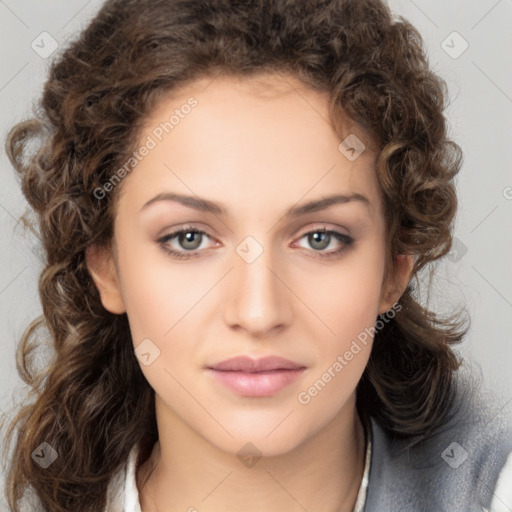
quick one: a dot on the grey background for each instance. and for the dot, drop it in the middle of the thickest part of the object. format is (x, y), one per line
(476, 273)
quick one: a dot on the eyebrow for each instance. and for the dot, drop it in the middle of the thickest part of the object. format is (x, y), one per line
(205, 205)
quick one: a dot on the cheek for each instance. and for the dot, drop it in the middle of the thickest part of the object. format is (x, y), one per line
(159, 305)
(157, 290)
(152, 295)
(348, 307)
(347, 296)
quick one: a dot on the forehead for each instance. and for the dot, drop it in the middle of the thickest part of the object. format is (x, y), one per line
(268, 137)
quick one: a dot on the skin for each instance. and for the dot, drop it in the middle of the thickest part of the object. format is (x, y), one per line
(257, 146)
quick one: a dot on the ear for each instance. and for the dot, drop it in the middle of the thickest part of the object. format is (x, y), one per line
(101, 266)
(396, 285)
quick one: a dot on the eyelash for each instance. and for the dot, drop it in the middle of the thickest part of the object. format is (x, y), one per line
(347, 241)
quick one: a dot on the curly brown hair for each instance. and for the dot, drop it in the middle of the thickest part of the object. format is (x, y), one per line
(92, 403)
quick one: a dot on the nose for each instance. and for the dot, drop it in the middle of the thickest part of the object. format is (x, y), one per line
(258, 301)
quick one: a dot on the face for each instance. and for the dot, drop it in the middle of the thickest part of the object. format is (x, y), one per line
(251, 273)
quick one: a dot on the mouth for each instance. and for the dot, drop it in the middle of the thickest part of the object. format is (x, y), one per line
(256, 377)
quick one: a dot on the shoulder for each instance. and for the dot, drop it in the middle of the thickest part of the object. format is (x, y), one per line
(456, 468)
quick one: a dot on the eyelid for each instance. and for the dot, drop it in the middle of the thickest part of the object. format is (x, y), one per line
(184, 228)
(321, 227)
(298, 234)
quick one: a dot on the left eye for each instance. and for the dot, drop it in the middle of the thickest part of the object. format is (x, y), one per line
(189, 241)
(321, 239)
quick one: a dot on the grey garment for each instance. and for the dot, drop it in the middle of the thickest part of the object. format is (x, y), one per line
(454, 470)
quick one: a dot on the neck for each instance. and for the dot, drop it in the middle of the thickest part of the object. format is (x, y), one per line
(322, 474)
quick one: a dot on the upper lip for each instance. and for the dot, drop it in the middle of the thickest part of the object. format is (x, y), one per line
(250, 365)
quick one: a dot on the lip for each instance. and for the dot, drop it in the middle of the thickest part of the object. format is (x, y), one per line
(256, 377)
(250, 365)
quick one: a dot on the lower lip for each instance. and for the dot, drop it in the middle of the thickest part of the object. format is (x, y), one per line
(258, 384)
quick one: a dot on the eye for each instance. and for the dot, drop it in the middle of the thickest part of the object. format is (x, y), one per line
(188, 239)
(321, 239)
(188, 242)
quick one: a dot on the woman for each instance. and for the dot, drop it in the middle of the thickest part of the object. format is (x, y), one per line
(234, 200)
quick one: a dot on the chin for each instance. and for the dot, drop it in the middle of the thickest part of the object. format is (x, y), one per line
(257, 443)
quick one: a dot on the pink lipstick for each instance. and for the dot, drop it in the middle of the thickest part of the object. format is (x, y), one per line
(256, 377)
